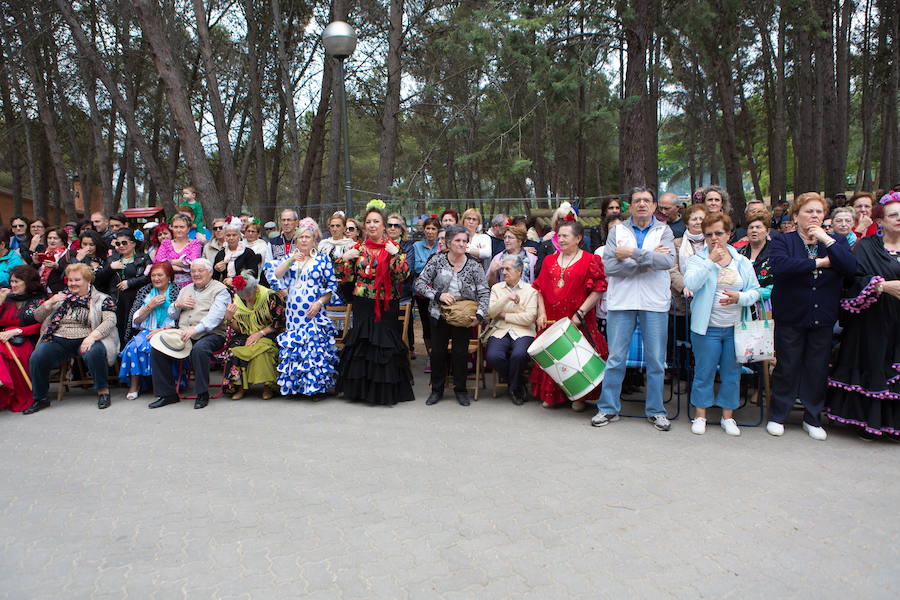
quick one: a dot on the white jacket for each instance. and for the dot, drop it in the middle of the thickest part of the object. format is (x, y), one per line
(640, 282)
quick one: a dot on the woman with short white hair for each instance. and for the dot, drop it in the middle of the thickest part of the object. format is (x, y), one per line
(234, 257)
(307, 354)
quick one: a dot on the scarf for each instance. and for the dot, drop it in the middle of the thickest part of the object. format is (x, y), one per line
(687, 249)
(25, 305)
(382, 260)
(79, 306)
(250, 319)
(229, 259)
(851, 238)
(55, 254)
(161, 312)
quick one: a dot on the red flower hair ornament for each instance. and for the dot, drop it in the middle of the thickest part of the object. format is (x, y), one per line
(238, 282)
(569, 217)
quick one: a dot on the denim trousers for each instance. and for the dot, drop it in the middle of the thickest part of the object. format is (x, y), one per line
(53, 352)
(620, 326)
(715, 351)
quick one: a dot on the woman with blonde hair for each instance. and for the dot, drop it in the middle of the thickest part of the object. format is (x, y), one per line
(810, 267)
(480, 247)
(81, 320)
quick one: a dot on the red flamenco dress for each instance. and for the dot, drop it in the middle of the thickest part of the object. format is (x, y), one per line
(583, 277)
(15, 393)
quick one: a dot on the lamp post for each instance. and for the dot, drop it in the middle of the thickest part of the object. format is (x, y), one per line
(339, 40)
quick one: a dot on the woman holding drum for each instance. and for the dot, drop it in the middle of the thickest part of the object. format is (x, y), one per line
(570, 284)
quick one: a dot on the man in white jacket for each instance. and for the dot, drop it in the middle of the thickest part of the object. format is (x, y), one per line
(637, 259)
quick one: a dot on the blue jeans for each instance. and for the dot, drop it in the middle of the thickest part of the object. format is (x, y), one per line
(53, 352)
(620, 327)
(712, 351)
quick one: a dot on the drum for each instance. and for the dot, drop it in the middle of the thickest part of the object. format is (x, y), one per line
(565, 355)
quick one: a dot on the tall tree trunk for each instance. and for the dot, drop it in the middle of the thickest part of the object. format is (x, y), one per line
(636, 23)
(11, 117)
(889, 53)
(169, 71)
(287, 92)
(315, 149)
(226, 159)
(806, 149)
(734, 180)
(651, 166)
(267, 210)
(835, 179)
(389, 128)
(120, 104)
(51, 133)
(866, 105)
(255, 67)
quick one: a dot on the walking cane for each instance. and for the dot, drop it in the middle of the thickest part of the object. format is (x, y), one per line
(19, 364)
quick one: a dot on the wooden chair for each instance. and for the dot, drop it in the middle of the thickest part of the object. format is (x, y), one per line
(340, 318)
(81, 377)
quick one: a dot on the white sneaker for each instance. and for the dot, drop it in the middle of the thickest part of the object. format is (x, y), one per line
(774, 428)
(816, 433)
(730, 426)
(698, 426)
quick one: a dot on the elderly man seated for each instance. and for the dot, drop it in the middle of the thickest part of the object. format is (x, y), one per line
(199, 312)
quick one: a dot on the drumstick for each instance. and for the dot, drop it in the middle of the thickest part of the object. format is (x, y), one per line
(18, 364)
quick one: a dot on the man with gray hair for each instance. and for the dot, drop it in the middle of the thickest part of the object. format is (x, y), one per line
(668, 211)
(283, 243)
(496, 232)
(199, 311)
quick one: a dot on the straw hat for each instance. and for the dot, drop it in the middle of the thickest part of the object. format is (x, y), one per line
(169, 342)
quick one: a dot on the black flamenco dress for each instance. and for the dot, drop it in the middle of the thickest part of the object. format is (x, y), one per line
(864, 387)
(374, 365)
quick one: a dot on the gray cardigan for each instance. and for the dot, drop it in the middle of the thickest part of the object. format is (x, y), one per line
(435, 280)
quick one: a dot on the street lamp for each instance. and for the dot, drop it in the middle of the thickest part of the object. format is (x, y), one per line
(339, 40)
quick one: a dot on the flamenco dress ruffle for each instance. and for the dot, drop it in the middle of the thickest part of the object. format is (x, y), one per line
(307, 359)
(374, 366)
(136, 356)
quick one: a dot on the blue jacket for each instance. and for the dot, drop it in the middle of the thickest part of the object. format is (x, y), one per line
(420, 255)
(799, 299)
(7, 262)
(701, 276)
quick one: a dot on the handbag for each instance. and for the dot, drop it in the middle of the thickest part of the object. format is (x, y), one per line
(17, 340)
(460, 313)
(754, 339)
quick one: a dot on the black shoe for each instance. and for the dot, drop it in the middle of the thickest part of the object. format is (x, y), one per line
(103, 401)
(518, 398)
(36, 406)
(201, 401)
(435, 397)
(463, 398)
(164, 401)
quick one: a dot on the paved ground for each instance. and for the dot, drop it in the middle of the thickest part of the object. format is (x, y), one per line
(286, 499)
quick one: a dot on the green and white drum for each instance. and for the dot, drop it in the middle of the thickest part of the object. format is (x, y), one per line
(565, 355)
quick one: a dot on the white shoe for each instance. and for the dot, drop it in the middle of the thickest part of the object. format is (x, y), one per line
(816, 433)
(776, 429)
(698, 426)
(730, 426)
(131, 395)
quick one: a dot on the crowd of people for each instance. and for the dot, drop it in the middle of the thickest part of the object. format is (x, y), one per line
(172, 300)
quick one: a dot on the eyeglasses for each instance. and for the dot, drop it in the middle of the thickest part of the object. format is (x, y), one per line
(18, 225)
(351, 228)
(712, 234)
(334, 225)
(122, 243)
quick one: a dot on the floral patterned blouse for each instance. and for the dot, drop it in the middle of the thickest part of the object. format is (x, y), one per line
(361, 272)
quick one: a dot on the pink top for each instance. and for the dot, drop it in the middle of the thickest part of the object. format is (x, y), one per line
(167, 252)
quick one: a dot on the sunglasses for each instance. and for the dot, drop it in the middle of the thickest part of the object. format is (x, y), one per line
(122, 243)
(219, 228)
(351, 228)
(397, 225)
(18, 225)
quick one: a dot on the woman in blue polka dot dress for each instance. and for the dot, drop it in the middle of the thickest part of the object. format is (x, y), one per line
(307, 355)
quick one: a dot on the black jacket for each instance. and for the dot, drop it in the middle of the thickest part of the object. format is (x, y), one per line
(248, 261)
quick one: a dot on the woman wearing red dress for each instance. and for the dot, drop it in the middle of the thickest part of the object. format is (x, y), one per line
(570, 285)
(18, 332)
